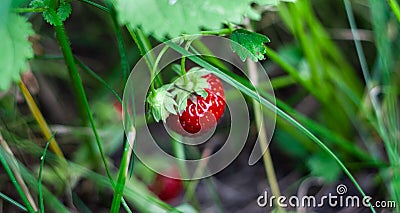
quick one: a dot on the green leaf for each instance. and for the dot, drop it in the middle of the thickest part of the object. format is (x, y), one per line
(175, 17)
(51, 16)
(37, 3)
(63, 11)
(15, 49)
(322, 165)
(249, 44)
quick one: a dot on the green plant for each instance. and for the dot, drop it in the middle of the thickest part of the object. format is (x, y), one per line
(354, 118)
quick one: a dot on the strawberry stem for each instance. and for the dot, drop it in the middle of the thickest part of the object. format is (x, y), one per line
(183, 69)
(183, 89)
(183, 60)
(153, 71)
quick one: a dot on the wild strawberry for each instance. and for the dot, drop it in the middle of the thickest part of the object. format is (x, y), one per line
(201, 113)
(167, 188)
(191, 105)
(118, 108)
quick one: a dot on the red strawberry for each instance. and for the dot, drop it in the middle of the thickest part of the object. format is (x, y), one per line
(167, 188)
(201, 114)
(118, 107)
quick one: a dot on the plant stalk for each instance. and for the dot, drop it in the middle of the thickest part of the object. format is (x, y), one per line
(262, 137)
(78, 87)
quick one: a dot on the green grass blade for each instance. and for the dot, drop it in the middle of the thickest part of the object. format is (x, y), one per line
(395, 8)
(127, 151)
(180, 154)
(98, 78)
(51, 200)
(122, 174)
(81, 95)
(3, 157)
(120, 41)
(15, 203)
(40, 191)
(94, 4)
(385, 58)
(79, 90)
(357, 43)
(144, 46)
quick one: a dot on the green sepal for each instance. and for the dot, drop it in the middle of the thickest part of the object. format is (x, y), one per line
(172, 98)
(181, 99)
(194, 84)
(162, 103)
(64, 10)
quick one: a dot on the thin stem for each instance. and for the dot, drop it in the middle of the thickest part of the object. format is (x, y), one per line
(191, 187)
(183, 68)
(16, 178)
(121, 45)
(72, 71)
(28, 10)
(98, 78)
(262, 136)
(205, 51)
(94, 4)
(144, 46)
(179, 152)
(76, 80)
(81, 95)
(155, 67)
(122, 174)
(183, 59)
(41, 203)
(183, 89)
(395, 8)
(127, 152)
(357, 43)
(214, 194)
(225, 31)
(15, 203)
